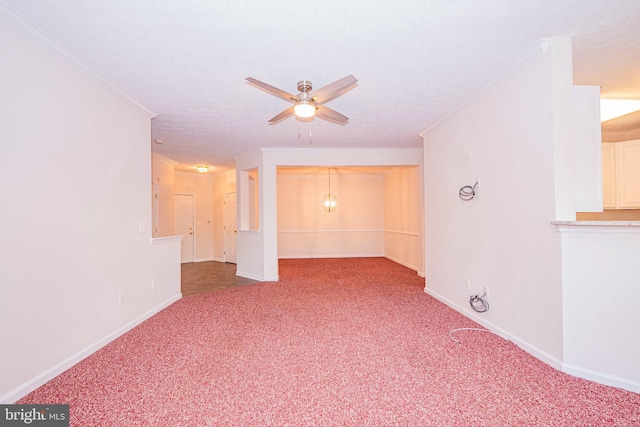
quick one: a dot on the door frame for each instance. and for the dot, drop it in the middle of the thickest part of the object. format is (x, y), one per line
(224, 227)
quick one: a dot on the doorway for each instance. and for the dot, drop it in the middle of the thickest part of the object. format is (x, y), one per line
(184, 225)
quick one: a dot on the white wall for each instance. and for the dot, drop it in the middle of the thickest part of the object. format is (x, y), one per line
(404, 217)
(201, 187)
(588, 149)
(601, 294)
(252, 244)
(76, 168)
(502, 239)
(569, 297)
(354, 229)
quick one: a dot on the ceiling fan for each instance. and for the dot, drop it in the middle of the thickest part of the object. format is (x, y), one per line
(308, 104)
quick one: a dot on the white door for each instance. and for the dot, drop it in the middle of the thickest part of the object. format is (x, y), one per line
(184, 225)
(230, 229)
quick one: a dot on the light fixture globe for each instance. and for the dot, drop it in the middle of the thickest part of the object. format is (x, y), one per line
(329, 202)
(304, 109)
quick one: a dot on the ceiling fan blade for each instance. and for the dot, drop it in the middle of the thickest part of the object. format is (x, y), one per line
(282, 116)
(325, 113)
(271, 89)
(335, 89)
(337, 94)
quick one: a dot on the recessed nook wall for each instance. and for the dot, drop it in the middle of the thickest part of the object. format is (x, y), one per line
(249, 207)
(262, 244)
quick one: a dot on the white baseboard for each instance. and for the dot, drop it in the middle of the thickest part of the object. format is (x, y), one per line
(316, 256)
(258, 278)
(405, 264)
(203, 259)
(218, 259)
(601, 378)
(573, 370)
(56, 370)
(526, 346)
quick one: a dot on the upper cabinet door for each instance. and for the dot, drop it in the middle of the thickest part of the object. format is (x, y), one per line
(628, 159)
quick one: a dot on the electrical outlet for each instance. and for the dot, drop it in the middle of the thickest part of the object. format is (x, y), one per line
(468, 283)
(121, 298)
(153, 284)
(485, 291)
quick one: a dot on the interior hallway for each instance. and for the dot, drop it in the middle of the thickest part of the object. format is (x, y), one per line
(208, 276)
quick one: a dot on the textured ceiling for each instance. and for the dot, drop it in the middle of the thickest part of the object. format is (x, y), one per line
(416, 60)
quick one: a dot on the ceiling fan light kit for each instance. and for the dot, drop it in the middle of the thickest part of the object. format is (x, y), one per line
(307, 104)
(304, 109)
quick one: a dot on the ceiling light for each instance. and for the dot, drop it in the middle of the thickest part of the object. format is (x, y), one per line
(612, 108)
(304, 109)
(329, 201)
(202, 169)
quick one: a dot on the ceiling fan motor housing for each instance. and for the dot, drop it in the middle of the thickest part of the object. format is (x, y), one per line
(305, 86)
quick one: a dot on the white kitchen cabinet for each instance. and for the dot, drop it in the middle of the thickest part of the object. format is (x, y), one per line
(629, 174)
(621, 175)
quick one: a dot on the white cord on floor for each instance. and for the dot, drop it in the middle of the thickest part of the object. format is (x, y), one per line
(469, 329)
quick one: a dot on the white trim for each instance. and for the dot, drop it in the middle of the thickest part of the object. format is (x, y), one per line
(569, 369)
(162, 158)
(630, 227)
(258, 278)
(316, 256)
(525, 59)
(405, 233)
(217, 259)
(59, 368)
(44, 40)
(166, 239)
(418, 151)
(334, 231)
(529, 348)
(601, 378)
(397, 261)
(203, 259)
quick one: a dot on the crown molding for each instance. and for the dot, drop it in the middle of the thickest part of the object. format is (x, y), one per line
(162, 158)
(530, 55)
(339, 150)
(20, 23)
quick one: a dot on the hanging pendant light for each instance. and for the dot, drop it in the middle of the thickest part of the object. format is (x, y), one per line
(329, 201)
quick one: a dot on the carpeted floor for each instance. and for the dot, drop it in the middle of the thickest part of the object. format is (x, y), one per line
(337, 342)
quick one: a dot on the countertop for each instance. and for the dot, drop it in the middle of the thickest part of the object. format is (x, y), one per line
(599, 223)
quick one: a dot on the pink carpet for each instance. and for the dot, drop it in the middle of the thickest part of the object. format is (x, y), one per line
(337, 342)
